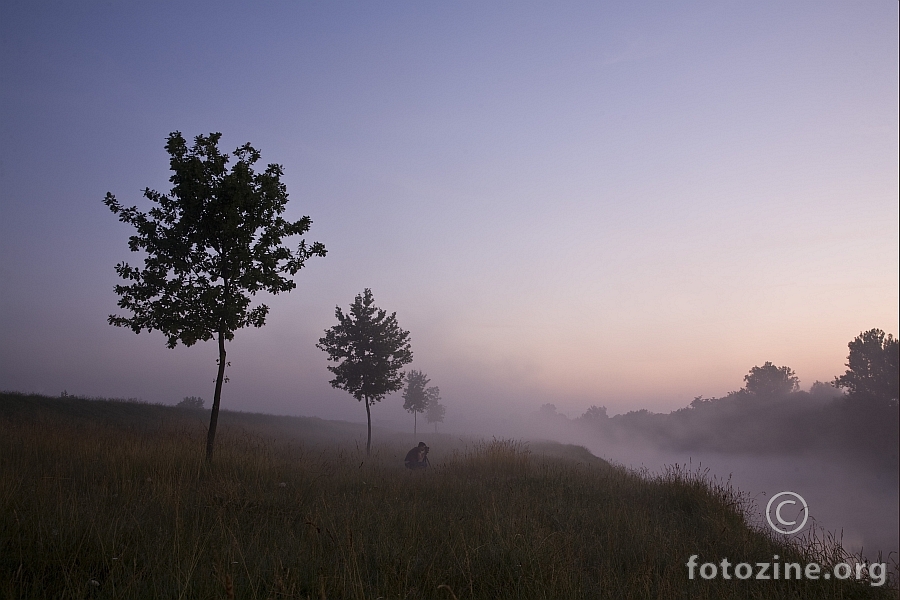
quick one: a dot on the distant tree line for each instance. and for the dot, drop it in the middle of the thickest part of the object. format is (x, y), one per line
(771, 415)
(191, 402)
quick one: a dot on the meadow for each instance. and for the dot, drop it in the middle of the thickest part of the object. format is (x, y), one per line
(112, 499)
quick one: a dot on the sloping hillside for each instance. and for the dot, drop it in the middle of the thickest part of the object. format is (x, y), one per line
(107, 499)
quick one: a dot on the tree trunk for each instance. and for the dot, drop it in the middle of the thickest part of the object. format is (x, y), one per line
(214, 414)
(415, 431)
(369, 419)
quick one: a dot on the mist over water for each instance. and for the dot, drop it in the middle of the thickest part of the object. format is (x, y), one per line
(854, 499)
(858, 505)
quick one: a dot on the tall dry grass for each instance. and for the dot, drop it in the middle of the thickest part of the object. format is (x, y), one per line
(92, 507)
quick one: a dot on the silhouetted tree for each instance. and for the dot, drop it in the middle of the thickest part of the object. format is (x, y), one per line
(415, 398)
(595, 415)
(192, 402)
(211, 243)
(435, 411)
(872, 367)
(371, 349)
(769, 380)
(433, 395)
(701, 402)
(547, 410)
(821, 389)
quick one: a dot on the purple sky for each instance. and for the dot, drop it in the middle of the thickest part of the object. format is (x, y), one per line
(592, 204)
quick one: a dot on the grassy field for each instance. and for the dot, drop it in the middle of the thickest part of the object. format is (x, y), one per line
(106, 499)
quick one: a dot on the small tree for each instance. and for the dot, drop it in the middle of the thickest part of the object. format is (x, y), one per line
(873, 367)
(211, 243)
(192, 402)
(371, 349)
(415, 399)
(435, 411)
(769, 380)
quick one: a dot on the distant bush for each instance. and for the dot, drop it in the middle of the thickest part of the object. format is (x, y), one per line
(194, 402)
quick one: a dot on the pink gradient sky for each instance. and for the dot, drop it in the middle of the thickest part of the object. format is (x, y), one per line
(593, 204)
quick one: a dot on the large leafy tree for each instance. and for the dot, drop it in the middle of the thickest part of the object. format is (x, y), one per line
(873, 367)
(769, 380)
(210, 244)
(370, 349)
(414, 398)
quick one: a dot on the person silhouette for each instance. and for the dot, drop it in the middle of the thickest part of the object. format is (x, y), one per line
(417, 458)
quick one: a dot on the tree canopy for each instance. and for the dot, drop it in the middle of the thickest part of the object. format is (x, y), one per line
(370, 349)
(873, 367)
(210, 244)
(769, 380)
(595, 414)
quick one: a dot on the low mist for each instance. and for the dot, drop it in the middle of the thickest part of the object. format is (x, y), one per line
(840, 456)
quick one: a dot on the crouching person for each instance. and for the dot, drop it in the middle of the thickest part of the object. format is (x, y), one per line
(417, 458)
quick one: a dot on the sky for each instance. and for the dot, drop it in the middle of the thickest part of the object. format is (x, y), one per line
(581, 203)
